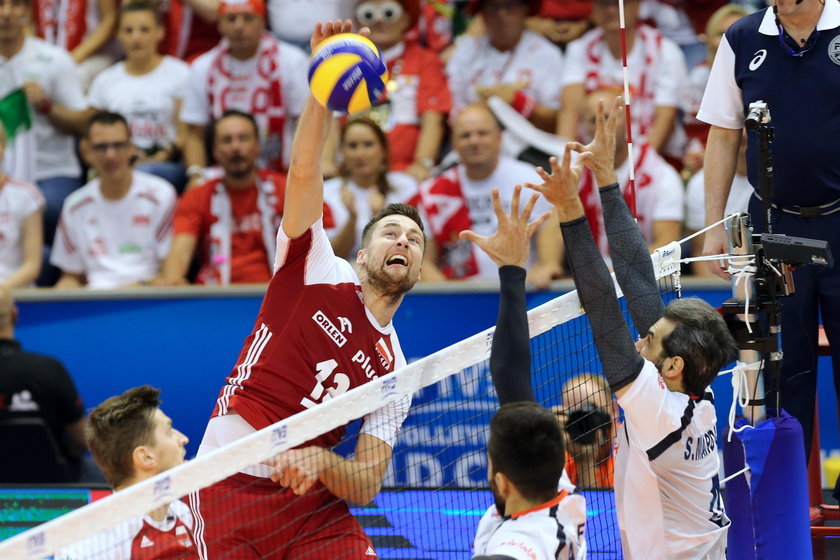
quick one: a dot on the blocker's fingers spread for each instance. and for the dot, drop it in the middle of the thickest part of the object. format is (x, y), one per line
(514, 204)
(497, 205)
(529, 206)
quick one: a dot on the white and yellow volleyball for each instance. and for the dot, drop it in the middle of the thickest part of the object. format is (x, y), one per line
(347, 73)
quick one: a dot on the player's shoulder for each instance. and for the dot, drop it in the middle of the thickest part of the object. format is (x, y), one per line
(202, 63)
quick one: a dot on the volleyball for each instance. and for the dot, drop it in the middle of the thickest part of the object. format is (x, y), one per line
(347, 73)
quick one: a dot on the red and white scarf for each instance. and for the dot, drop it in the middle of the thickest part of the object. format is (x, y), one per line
(264, 93)
(449, 214)
(217, 268)
(61, 22)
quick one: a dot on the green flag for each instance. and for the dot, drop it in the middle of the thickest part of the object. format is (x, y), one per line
(15, 114)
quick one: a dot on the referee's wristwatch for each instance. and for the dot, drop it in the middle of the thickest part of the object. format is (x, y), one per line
(426, 162)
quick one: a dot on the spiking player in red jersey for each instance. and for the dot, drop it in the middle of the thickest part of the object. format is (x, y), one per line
(322, 330)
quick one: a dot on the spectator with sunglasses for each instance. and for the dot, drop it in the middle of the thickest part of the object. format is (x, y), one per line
(114, 231)
(413, 111)
(508, 61)
(776, 55)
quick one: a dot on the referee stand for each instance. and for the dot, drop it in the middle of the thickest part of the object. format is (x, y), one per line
(820, 512)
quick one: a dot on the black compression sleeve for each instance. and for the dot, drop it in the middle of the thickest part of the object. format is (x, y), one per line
(597, 296)
(510, 355)
(631, 260)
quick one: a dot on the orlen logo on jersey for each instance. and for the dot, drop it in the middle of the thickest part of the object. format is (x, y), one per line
(332, 331)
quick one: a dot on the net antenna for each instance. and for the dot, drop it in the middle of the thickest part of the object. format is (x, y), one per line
(627, 102)
(458, 359)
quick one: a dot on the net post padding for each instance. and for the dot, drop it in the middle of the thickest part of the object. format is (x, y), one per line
(48, 538)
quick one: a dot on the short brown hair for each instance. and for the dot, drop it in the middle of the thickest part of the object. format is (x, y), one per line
(117, 427)
(141, 6)
(393, 209)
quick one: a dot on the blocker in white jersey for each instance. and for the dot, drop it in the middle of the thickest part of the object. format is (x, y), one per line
(551, 531)
(140, 538)
(666, 484)
(115, 242)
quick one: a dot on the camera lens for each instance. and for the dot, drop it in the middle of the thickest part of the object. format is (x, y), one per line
(583, 422)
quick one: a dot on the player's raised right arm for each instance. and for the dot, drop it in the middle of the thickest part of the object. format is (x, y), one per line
(305, 184)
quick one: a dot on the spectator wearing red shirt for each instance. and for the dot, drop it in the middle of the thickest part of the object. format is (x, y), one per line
(232, 219)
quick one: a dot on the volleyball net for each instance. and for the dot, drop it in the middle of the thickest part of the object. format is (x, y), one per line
(435, 489)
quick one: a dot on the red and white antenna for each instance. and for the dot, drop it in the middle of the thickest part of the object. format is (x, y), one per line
(630, 157)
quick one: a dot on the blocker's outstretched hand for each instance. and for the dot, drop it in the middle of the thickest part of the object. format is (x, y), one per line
(560, 187)
(511, 244)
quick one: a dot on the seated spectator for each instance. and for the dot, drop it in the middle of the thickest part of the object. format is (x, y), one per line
(293, 20)
(460, 199)
(365, 185)
(508, 61)
(33, 385)
(132, 440)
(561, 21)
(660, 196)
(115, 230)
(253, 72)
(695, 204)
(190, 27)
(40, 77)
(590, 419)
(698, 77)
(656, 74)
(21, 228)
(232, 220)
(418, 97)
(147, 89)
(83, 27)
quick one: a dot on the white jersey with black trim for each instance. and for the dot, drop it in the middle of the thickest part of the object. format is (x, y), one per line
(140, 538)
(551, 531)
(666, 482)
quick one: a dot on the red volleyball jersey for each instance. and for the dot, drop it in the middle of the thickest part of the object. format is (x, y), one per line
(313, 339)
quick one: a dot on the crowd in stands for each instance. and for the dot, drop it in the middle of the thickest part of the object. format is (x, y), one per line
(147, 142)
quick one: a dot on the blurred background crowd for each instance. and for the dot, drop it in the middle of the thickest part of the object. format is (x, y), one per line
(146, 142)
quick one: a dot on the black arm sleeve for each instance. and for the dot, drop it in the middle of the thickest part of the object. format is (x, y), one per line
(597, 296)
(510, 355)
(631, 261)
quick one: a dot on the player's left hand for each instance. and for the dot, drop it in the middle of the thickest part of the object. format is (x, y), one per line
(299, 469)
(560, 187)
(511, 243)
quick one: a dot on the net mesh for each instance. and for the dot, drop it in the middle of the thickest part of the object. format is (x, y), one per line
(434, 491)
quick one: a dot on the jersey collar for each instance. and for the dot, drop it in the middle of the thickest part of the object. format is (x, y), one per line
(829, 19)
(548, 504)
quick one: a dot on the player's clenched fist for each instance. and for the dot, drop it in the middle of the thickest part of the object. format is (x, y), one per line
(299, 469)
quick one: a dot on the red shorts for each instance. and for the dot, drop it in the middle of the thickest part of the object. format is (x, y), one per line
(245, 517)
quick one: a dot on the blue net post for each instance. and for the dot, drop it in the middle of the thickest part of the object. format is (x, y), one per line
(768, 505)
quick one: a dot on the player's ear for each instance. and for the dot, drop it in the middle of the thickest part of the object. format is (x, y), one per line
(361, 257)
(143, 458)
(503, 483)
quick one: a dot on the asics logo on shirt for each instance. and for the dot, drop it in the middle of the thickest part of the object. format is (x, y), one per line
(758, 59)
